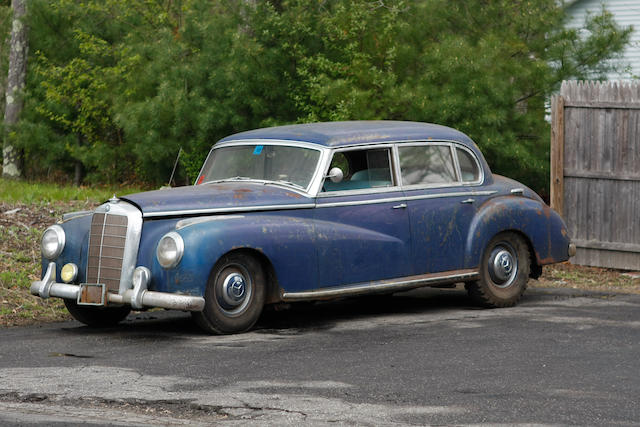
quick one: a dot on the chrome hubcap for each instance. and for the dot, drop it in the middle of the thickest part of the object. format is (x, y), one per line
(234, 289)
(503, 266)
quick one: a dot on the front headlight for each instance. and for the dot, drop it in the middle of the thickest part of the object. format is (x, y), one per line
(53, 242)
(170, 250)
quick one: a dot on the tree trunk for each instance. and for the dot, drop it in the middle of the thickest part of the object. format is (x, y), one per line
(77, 175)
(12, 156)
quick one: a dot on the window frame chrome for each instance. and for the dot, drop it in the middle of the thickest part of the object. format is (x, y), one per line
(372, 190)
(397, 173)
(452, 148)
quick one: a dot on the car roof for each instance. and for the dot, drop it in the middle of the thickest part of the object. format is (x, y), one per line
(340, 134)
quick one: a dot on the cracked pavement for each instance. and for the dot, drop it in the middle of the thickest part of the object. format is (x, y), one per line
(562, 357)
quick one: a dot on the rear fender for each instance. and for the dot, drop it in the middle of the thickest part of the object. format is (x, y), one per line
(537, 222)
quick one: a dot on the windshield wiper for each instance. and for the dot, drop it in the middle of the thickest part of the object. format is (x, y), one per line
(235, 178)
(283, 182)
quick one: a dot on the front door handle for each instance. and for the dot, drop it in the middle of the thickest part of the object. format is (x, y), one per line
(468, 201)
(400, 206)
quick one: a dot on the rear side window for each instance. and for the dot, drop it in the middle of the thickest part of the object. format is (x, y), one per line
(427, 164)
(468, 166)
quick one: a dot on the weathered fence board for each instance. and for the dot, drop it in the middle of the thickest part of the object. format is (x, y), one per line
(595, 170)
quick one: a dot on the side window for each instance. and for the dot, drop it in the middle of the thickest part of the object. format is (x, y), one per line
(468, 166)
(426, 164)
(361, 169)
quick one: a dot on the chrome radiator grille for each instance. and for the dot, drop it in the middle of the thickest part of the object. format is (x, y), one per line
(107, 241)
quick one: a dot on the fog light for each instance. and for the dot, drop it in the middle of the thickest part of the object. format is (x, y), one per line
(69, 273)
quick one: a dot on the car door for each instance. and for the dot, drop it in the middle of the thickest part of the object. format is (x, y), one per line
(361, 223)
(440, 183)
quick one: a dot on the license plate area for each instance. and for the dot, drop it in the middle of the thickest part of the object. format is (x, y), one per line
(92, 294)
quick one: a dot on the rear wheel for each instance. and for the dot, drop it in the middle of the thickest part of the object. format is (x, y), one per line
(234, 297)
(504, 272)
(97, 317)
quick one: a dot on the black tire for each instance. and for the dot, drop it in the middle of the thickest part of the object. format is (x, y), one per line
(97, 317)
(504, 272)
(234, 297)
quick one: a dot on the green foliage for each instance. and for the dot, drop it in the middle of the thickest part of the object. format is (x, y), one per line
(38, 193)
(120, 86)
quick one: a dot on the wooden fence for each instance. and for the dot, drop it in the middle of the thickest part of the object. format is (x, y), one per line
(595, 170)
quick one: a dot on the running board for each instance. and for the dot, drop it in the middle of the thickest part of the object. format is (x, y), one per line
(384, 286)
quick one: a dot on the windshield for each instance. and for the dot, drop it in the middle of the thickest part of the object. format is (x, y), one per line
(277, 163)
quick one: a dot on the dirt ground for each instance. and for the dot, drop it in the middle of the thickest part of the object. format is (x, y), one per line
(21, 227)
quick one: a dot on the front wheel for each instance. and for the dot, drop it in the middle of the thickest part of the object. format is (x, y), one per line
(504, 272)
(97, 317)
(234, 297)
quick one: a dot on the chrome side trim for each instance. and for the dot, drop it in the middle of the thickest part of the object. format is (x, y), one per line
(391, 285)
(360, 191)
(183, 223)
(402, 198)
(361, 202)
(225, 210)
(462, 193)
(213, 211)
(71, 215)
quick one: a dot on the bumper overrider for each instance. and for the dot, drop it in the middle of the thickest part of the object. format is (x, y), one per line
(139, 297)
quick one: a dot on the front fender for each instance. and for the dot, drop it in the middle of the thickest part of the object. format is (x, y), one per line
(286, 241)
(76, 231)
(542, 226)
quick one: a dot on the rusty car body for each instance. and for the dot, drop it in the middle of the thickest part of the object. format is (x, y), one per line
(306, 212)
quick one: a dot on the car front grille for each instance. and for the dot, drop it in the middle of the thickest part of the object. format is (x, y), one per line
(107, 242)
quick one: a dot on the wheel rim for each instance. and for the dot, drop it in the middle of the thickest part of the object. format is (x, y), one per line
(234, 289)
(503, 265)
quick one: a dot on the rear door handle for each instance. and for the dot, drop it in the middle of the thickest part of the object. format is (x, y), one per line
(468, 201)
(400, 206)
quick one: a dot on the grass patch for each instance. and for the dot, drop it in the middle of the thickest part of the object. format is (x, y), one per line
(567, 275)
(39, 193)
(19, 266)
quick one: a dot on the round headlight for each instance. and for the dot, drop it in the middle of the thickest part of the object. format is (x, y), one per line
(170, 250)
(53, 242)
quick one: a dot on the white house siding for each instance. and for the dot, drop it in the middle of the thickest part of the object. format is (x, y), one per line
(626, 13)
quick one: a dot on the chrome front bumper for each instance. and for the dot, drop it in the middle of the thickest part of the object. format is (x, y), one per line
(138, 298)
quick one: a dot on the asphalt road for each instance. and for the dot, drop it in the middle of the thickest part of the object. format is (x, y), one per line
(421, 358)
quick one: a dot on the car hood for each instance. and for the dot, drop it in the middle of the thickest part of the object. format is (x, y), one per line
(217, 198)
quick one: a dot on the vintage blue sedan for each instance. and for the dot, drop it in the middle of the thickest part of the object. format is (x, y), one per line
(306, 212)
